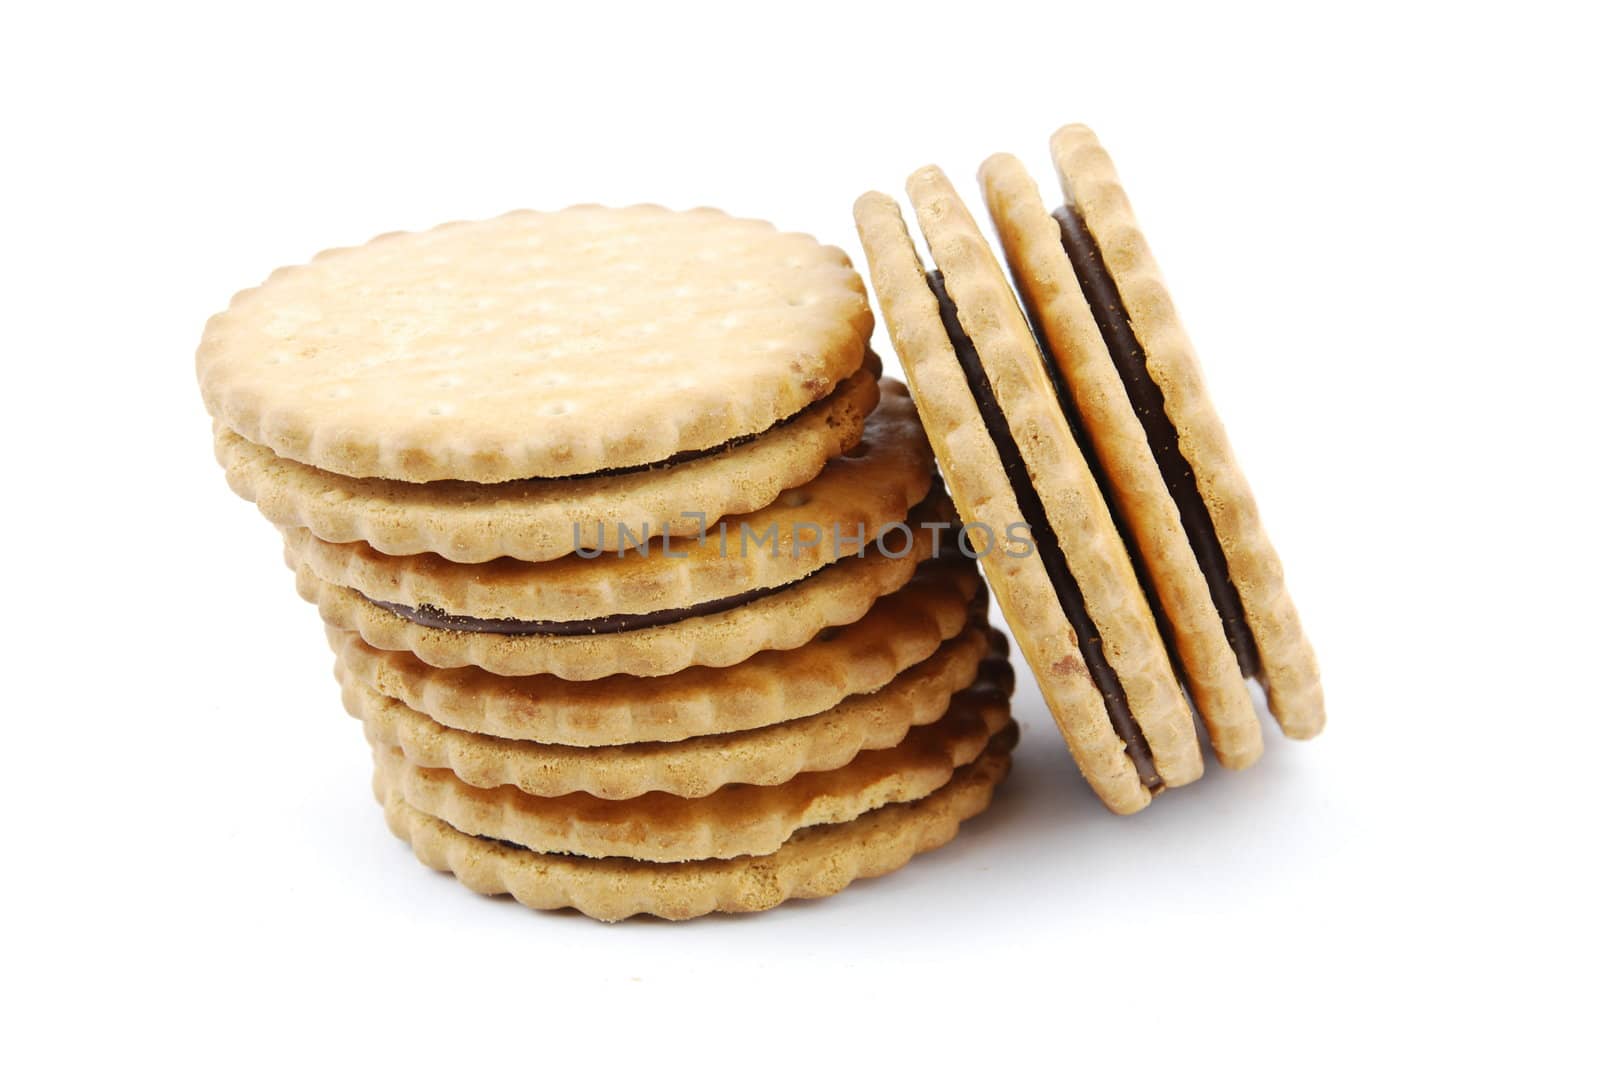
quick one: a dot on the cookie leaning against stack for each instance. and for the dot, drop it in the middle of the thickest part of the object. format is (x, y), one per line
(1147, 536)
(630, 577)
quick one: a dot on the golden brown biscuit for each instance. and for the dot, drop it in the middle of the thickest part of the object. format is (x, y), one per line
(853, 501)
(734, 820)
(537, 520)
(899, 631)
(536, 344)
(1137, 319)
(1072, 599)
(642, 646)
(815, 862)
(769, 755)
(1064, 322)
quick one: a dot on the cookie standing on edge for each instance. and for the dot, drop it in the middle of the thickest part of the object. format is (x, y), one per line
(1008, 456)
(1130, 373)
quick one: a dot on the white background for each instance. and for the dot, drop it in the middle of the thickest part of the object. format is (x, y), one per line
(1380, 226)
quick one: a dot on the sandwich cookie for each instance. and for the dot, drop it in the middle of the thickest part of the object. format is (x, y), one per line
(1128, 374)
(733, 820)
(539, 519)
(813, 835)
(816, 862)
(816, 558)
(539, 344)
(901, 630)
(715, 634)
(692, 768)
(1008, 456)
(852, 503)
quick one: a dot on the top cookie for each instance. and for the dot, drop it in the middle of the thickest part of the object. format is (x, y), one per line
(536, 344)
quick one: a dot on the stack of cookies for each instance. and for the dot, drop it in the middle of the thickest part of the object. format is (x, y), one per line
(640, 581)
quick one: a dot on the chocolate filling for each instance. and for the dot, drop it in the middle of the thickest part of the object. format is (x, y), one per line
(1046, 543)
(1127, 354)
(1092, 459)
(433, 617)
(870, 361)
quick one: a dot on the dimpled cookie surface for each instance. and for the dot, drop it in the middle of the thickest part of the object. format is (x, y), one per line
(535, 344)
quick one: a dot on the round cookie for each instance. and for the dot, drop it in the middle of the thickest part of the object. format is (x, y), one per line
(732, 821)
(1287, 665)
(537, 520)
(986, 494)
(1061, 316)
(853, 500)
(536, 344)
(899, 631)
(696, 767)
(781, 619)
(1073, 510)
(815, 862)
